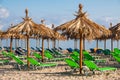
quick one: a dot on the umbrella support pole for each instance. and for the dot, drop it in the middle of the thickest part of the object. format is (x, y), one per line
(104, 44)
(111, 44)
(42, 49)
(117, 43)
(83, 44)
(48, 43)
(58, 44)
(11, 40)
(80, 56)
(97, 44)
(7, 42)
(54, 43)
(0, 43)
(28, 52)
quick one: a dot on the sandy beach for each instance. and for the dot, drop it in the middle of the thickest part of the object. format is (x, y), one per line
(49, 31)
(8, 72)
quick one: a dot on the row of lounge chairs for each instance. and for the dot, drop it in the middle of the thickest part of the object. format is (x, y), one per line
(88, 60)
(34, 63)
(90, 64)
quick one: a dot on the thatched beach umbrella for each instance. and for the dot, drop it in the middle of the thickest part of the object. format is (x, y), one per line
(58, 37)
(81, 27)
(49, 34)
(28, 28)
(12, 36)
(1, 38)
(115, 34)
(52, 35)
(103, 37)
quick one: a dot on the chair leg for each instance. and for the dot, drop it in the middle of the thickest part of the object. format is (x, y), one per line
(93, 72)
(19, 67)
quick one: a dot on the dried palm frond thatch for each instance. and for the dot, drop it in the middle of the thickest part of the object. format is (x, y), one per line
(83, 28)
(29, 28)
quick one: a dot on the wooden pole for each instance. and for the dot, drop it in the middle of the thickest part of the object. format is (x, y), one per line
(84, 44)
(39, 43)
(118, 44)
(28, 51)
(80, 56)
(36, 43)
(0, 43)
(97, 43)
(42, 49)
(111, 44)
(18, 42)
(25, 43)
(15, 43)
(11, 40)
(54, 43)
(74, 44)
(104, 44)
(7, 42)
(111, 39)
(58, 43)
(48, 43)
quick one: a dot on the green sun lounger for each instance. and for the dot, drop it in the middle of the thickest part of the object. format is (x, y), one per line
(50, 57)
(4, 62)
(117, 58)
(19, 62)
(92, 66)
(36, 64)
(38, 56)
(72, 64)
(74, 57)
(5, 54)
(87, 56)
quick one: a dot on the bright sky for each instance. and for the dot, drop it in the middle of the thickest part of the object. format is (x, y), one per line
(58, 11)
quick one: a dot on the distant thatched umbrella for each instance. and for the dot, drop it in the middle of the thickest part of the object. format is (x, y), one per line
(12, 36)
(1, 33)
(81, 27)
(28, 28)
(58, 37)
(45, 37)
(1, 38)
(49, 35)
(104, 37)
(115, 34)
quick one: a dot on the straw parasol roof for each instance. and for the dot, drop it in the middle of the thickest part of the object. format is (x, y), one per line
(104, 37)
(83, 28)
(29, 28)
(1, 32)
(58, 35)
(81, 24)
(115, 31)
(9, 35)
(115, 34)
